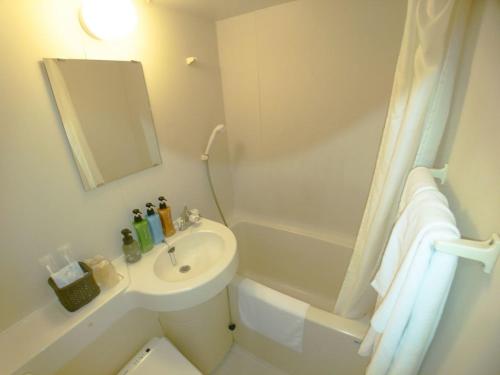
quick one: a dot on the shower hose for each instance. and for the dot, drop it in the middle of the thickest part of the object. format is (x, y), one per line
(212, 189)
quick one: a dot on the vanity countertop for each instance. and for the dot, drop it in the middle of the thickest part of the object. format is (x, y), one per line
(50, 327)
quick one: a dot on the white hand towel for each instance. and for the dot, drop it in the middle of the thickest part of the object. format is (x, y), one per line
(272, 314)
(413, 280)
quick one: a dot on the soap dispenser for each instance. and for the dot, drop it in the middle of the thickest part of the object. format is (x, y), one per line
(166, 217)
(142, 230)
(154, 223)
(130, 247)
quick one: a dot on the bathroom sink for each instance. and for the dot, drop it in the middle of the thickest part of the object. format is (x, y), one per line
(205, 262)
(193, 255)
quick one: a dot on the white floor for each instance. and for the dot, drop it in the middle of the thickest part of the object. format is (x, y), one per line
(241, 362)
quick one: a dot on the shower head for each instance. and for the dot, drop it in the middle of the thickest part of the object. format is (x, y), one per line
(219, 128)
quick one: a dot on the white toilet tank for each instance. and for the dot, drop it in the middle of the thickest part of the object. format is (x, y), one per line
(159, 357)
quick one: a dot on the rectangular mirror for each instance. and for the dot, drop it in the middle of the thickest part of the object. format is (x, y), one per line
(105, 110)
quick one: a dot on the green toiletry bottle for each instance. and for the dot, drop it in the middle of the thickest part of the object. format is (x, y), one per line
(142, 230)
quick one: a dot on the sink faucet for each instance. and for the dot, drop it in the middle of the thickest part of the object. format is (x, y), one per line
(188, 218)
(171, 254)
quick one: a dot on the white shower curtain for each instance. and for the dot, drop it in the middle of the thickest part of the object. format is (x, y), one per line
(418, 111)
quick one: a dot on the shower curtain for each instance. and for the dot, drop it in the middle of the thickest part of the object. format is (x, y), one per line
(417, 116)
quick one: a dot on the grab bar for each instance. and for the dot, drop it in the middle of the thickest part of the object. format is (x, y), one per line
(485, 252)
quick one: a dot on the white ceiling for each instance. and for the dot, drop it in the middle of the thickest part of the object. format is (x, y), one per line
(219, 9)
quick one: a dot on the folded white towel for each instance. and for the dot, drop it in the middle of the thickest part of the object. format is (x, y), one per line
(413, 280)
(272, 314)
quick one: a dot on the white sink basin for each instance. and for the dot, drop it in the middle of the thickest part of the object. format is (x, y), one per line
(206, 261)
(194, 254)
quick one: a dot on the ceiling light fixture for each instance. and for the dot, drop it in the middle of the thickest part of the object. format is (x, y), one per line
(108, 19)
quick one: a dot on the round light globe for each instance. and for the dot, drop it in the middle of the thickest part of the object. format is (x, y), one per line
(108, 19)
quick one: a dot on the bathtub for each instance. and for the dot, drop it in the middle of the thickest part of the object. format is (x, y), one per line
(309, 269)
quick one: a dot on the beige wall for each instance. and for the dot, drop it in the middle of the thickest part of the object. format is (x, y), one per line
(468, 338)
(42, 201)
(306, 88)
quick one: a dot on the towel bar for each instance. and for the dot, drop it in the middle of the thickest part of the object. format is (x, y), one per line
(485, 252)
(440, 174)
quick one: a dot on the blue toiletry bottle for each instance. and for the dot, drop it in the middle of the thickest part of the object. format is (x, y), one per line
(154, 223)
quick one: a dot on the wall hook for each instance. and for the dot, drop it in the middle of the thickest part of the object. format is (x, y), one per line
(191, 59)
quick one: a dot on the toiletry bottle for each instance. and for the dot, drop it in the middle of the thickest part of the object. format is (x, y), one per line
(166, 217)
(154, 223)
(142, 230)
(130, 247)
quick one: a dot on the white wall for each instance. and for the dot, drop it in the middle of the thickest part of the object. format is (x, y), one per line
(306, 88)
(42, 201)
(468, 338)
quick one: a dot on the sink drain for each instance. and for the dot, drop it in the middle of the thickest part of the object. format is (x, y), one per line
(185, 269)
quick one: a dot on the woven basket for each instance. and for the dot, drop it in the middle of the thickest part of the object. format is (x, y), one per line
(79, 292)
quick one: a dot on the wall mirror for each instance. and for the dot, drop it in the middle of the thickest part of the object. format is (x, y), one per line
(104, 107)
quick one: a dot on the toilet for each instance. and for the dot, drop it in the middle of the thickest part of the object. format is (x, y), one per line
(159, 357)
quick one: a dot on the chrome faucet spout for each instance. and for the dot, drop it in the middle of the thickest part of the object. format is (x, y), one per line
(171, 254)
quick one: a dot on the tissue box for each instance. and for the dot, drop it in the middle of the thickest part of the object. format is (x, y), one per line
(78, 293)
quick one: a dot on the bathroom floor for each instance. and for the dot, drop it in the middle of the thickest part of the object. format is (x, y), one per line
(241, 362)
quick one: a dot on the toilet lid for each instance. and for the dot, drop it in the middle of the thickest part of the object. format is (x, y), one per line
(159, 357)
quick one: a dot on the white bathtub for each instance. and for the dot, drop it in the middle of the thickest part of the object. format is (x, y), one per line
(308, 269)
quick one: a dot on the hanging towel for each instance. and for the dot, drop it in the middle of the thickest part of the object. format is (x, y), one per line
(413, 281)
(418, 181)
(272, 314)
